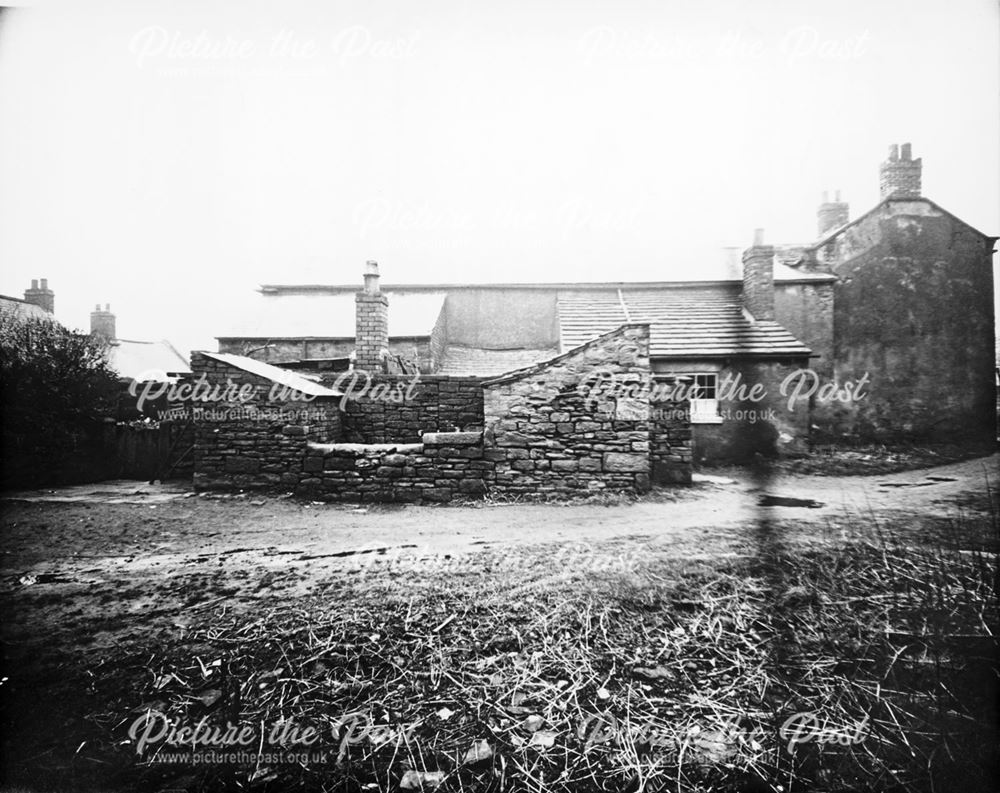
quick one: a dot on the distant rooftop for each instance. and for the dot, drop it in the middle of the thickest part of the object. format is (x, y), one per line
(146, 360)
(24, 310)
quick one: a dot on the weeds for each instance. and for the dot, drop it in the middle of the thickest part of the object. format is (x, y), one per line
(493, 676)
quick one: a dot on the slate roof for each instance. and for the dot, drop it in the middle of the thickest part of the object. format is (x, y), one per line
(477, 361)
(24, 309)
(331, 316)
(682, 324)
(146, 360)
(274, 373)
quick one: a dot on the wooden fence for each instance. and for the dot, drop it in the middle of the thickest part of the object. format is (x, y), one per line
(162, 451)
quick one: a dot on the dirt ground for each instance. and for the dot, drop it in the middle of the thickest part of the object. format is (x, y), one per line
(93, 566)
(103, 584)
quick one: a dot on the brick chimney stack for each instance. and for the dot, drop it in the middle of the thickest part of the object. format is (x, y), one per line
(831, 214)
(758, 278)
(371, 335)
(41, 296)
(899, 176)
(102, 323)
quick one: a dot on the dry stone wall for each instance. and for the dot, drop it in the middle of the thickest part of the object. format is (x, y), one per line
(258, 442)
(577, 423)
(401, 408)
(440, 468)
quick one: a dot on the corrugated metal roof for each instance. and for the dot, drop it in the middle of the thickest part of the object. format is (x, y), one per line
(682, 325)
(331, 316)
(477, 361)
(146, 360)
(274, 374)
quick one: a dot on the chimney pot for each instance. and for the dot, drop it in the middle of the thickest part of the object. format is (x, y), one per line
(900, 176)
(894, 152)
(371, 277)
(371, 335)
(102, 323)
(41, 296)
(831, 215)
(758, 237)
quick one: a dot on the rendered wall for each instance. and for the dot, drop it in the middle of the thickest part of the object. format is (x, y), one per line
(500, 319)
(752, 423)
(914, 311)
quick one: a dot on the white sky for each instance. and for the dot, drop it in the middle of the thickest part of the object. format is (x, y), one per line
(168, 158)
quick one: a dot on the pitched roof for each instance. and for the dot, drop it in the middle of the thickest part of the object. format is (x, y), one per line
(683, 324)
(886, 204)
(320, 315)
(146, 360)
(275, 374)
(476, 361)
(24, 310)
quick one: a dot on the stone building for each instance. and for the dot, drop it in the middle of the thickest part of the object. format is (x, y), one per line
(882, 329)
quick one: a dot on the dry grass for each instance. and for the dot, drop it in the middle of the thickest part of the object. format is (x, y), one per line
(661, 676)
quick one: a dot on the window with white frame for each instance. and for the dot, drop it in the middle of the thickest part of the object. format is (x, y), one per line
(705, 398)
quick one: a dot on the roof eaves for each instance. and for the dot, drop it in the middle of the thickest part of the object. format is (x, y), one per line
(282, 376)
(727, 356)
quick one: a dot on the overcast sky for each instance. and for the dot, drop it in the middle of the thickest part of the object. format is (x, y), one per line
(169, 157)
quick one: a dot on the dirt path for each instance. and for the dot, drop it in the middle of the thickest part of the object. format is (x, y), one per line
(134, 525)
(96, 565)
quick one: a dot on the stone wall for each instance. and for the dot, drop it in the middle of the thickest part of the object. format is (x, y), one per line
(259, 442)
(279, 351)
(443, 466)
(576, 424)
(670, 440)
(401, 408)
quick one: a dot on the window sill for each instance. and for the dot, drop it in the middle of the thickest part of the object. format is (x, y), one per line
(705, 419)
